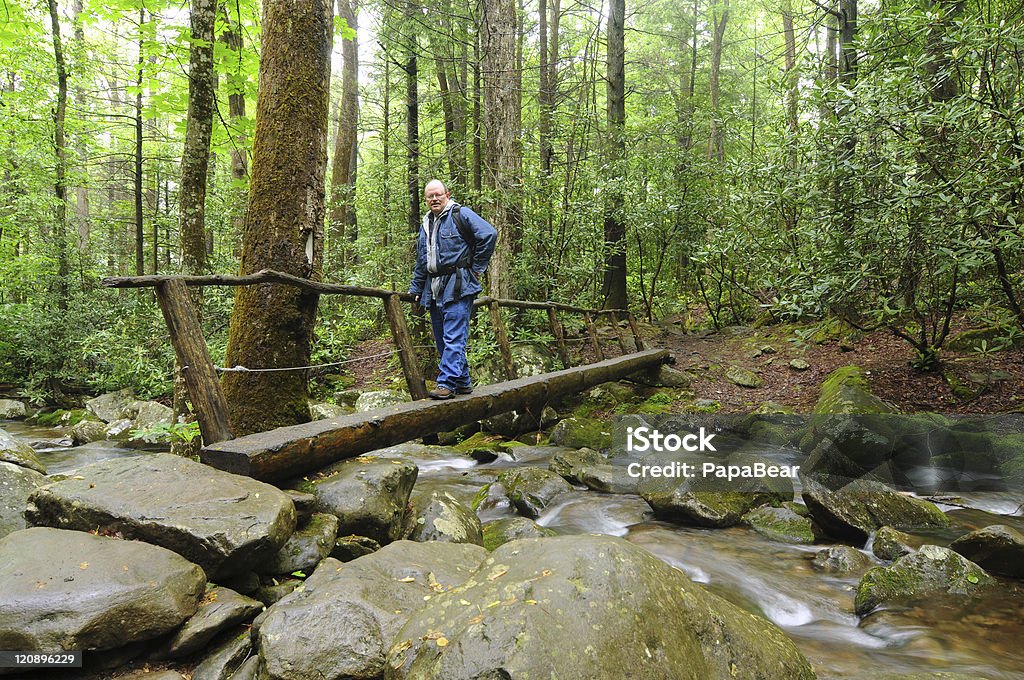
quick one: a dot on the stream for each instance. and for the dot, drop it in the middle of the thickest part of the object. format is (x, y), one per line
(776, 580)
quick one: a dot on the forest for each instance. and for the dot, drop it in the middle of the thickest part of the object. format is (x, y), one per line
(719, 162)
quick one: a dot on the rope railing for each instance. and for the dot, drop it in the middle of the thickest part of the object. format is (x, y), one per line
(201, 375)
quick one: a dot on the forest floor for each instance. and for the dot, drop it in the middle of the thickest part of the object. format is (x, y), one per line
(967, 382)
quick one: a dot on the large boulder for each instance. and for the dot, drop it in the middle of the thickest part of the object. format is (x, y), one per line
(532, 489)
(441, 517)
(72, 590)
(840, 559)
(112, 406)
(586, 607)
(16, 485)
(222, 522)
(999, 549)
(846, 390)
(852, 512)
(19, 453)
(931, 571)
(371, 401)
(367, 494)
(341, 623)
(10, 409)
(149, 414)
(220, 609)
(570, 463)
(892, 544)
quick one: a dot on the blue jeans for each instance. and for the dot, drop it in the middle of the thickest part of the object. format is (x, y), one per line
(450, 323)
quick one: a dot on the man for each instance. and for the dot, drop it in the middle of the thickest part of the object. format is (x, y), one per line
(453, 249)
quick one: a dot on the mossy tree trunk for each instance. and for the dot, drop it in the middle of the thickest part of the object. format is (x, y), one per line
(272, 325)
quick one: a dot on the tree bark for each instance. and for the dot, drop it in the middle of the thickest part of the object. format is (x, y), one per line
(232, 37)
(272, 325)
(716, 136)
(140, 237)
(412, 120)
(614, 224)
(343, 169)
(60, 149)
(502, 126)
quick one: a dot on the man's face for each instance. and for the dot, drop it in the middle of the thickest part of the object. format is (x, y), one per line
(437, 198)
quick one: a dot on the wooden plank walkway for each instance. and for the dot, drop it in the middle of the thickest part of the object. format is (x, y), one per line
(293, 451)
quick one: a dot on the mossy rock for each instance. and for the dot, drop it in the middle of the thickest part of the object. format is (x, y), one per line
(569, 464)
(850, 512)
(846, 390)
(621, 613)
(532, 489)
(743, 377)
(997, 548)
(610, 394)
(841, 560)
(59, 417)
(501, 531)
(780, 524)
(19, 453)
(892, 544)
(973, 339)
(1009, 450)
(930, 572)
(441, 517)
(578, 433)
(479, 442)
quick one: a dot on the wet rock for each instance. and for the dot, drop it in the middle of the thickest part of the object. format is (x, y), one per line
(579, 433)
(780, 524)
(841, 559)
(892, 544)
(88, 431)
(998, 549)
(743, 377)
(222, 522)
(346, 615)
(608, 478)
(501, 531)
(852, 512)
(367, 494)
(311, 542)
(348, 548)
(19, 453)
(514, 423)
(111, 406)
(219, 610)
(532, 489)
(305, 504)
(440, 517)
(707, 501)
(72, 590)
(225, 660)
(930, 572)
(16, 485)
(568, 463)
(621, 613)
(371, 401)
(11, 409)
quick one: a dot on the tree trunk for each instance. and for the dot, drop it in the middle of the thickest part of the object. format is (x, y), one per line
(198, 131)
(614, 225)
(792, 75)
(716, 136)
(503, 154)
(60, 148)
(412, 120)
(272, 325)
(81, 192)
(140, 236)
(232, 37)
(343, 169)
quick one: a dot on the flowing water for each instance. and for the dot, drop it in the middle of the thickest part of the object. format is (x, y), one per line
(982, 638)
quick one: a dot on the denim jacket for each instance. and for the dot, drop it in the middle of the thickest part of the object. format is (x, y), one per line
(452, 249)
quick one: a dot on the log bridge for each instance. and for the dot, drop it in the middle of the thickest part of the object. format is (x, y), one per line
(292, 451)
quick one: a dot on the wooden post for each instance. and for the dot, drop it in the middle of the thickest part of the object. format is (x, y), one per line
(502, 337)
(636, 332)
(556, 330)
(592, 332)
(194, 358)
(403, 342)
(618, 332)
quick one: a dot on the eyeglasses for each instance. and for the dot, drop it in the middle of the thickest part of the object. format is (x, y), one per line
(433, 196)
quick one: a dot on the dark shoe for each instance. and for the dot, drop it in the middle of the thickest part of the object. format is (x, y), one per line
(441, 393)
(464, 390)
